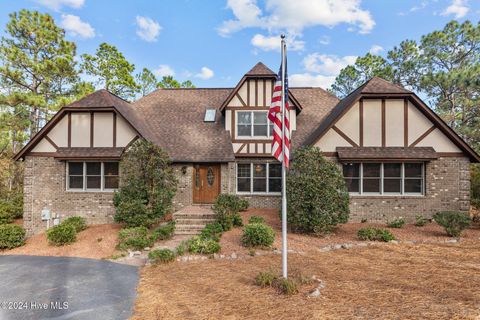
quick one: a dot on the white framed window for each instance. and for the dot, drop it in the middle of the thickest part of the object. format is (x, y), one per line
(385, 178)
(259, 178)
(253, 124)
(92, 176)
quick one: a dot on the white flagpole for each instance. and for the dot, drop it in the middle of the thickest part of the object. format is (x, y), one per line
(284, 188)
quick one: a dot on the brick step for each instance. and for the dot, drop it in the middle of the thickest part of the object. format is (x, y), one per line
(192, 216)
(187, 232)
(179, 222)
(190, 227)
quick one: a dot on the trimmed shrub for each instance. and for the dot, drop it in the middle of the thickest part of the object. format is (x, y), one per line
(256, 219)
(61, 234)
(161, 255)
(317, 196)
(453, 222)
(286, 286)
(147, 185)
(203, 246)
(257, 234)
(243, 204)
(11, 236)
(134, 238)
(79, 223)
(226, 208)
(420, 221)
(396, 223)
(212, 231)
(375, 234)
(164, 232)
(12, 204)
(5, 218)
(237, 220)
(265, 279)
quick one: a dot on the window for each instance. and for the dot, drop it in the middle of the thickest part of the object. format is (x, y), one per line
(259, 178)
(384, 178)
(209, 115)
(253, 124)
(92, 176)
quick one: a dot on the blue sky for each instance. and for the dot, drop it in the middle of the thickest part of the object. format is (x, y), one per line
(213, 43)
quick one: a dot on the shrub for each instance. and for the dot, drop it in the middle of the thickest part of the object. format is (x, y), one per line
(134, 238)
(212, 231)
(420, 221)
(62, 234)
(11, 236)
(475, 185)
(203, 246)
(257, 234)
(164, 232)
(452, 221)
(237, 220)
(286, 286)
(5, 218)
(147, 185)
(317, 196)
(243, 204)
(79, 223)
(161, 255)
(396, 223)
(182, 248)
(256, 219)
(265, 279)
(12, 204)
(375, 234)
(226, 208)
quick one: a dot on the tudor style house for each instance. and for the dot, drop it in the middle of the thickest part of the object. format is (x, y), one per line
(398, 157)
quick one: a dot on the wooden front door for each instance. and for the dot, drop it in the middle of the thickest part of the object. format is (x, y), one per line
(206, 183)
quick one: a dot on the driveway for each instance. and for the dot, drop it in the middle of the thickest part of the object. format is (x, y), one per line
(33, 287)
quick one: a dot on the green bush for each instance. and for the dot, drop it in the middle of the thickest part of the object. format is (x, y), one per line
(286, 286)
(202, 246)
(182, 248)
(317, 196)
(227, 208)
(147, 185)
(257, 234)
(11, 236)
(61, 234)
(396, 223)
(161, 255)
(420, 221)
(79, 223)
(164, 232)
(256, 219)
(375, 234)
(265, 279)
(5, 218)
(12, 204)
(453, 222)
(134, 238)
(212, 231)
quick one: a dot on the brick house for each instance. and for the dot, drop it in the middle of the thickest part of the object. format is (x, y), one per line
(398, 157)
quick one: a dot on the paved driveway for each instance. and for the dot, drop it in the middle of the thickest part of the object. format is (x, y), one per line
(65, 288)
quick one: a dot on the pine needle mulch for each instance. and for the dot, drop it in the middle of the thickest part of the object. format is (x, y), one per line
(429, 281)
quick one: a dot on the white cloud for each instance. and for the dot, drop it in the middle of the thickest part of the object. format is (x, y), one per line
(309, 80)
(205, 73)
(76, 27)
(294, 16)
(324, 40)
(270, 43)
(147, 28)
(329, 65)
(376, 49)
(458, 8)
(58, 4)
(164, 70)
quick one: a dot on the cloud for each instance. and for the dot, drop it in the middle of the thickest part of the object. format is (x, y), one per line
(376, 49)
(458, 8)
(270, 43)
(324, 40)
(76, 27)
(329, 65)
(147, 29)
(164, 70)
(294, 16)
(309, 80)
(58, 4)
(205, 73)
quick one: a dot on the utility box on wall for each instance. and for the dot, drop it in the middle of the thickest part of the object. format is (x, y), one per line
(46, 214)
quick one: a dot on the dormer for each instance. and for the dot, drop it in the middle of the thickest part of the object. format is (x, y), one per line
(246, 109)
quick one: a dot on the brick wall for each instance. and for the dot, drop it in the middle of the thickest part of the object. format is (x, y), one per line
(44, 187)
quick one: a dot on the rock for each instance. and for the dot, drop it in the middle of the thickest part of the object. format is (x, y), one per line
(147, 249)
(276, 251)
(451, 241)
(337, 246)
(234, 255)
(325, 249)
(185, 258)
(315, 293)
(361, 244)
(216, 256)
(394, 241)
(347, 246)
(222, 256)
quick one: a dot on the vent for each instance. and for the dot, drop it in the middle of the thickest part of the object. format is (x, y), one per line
(210, 115)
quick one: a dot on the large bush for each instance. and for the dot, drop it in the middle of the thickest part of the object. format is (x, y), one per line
(136, 238)
(79, 223)
(202, 246)
(5, 218)
(227, 208)
(317, 196)
(62, 234)
(11, 236)
(147, 185)
(11, 204)
(453, 222)
(257, 234)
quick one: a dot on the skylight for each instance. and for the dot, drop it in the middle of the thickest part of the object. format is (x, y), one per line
(210, 115)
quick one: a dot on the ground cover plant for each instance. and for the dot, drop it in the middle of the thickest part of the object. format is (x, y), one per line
(453, 222)
(375, 234)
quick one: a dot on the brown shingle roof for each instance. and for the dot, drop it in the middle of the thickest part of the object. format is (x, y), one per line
(260, 70)
(88, 153)
(390, 153)
(378, 85)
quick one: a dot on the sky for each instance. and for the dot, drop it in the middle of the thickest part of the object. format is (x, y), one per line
(214, 43)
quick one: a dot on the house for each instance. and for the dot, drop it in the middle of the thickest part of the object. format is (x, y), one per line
(398, 157)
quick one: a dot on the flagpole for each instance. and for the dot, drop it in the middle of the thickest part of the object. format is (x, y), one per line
(284, 188)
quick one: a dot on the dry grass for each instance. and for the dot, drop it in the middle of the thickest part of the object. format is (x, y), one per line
(390, 281)
(96, 242)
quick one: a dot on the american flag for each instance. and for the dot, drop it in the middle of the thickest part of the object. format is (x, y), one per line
(275, 115)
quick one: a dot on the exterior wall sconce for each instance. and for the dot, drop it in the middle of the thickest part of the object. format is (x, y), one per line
(184, 169)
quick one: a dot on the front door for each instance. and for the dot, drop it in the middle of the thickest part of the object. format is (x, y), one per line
(206, 183)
